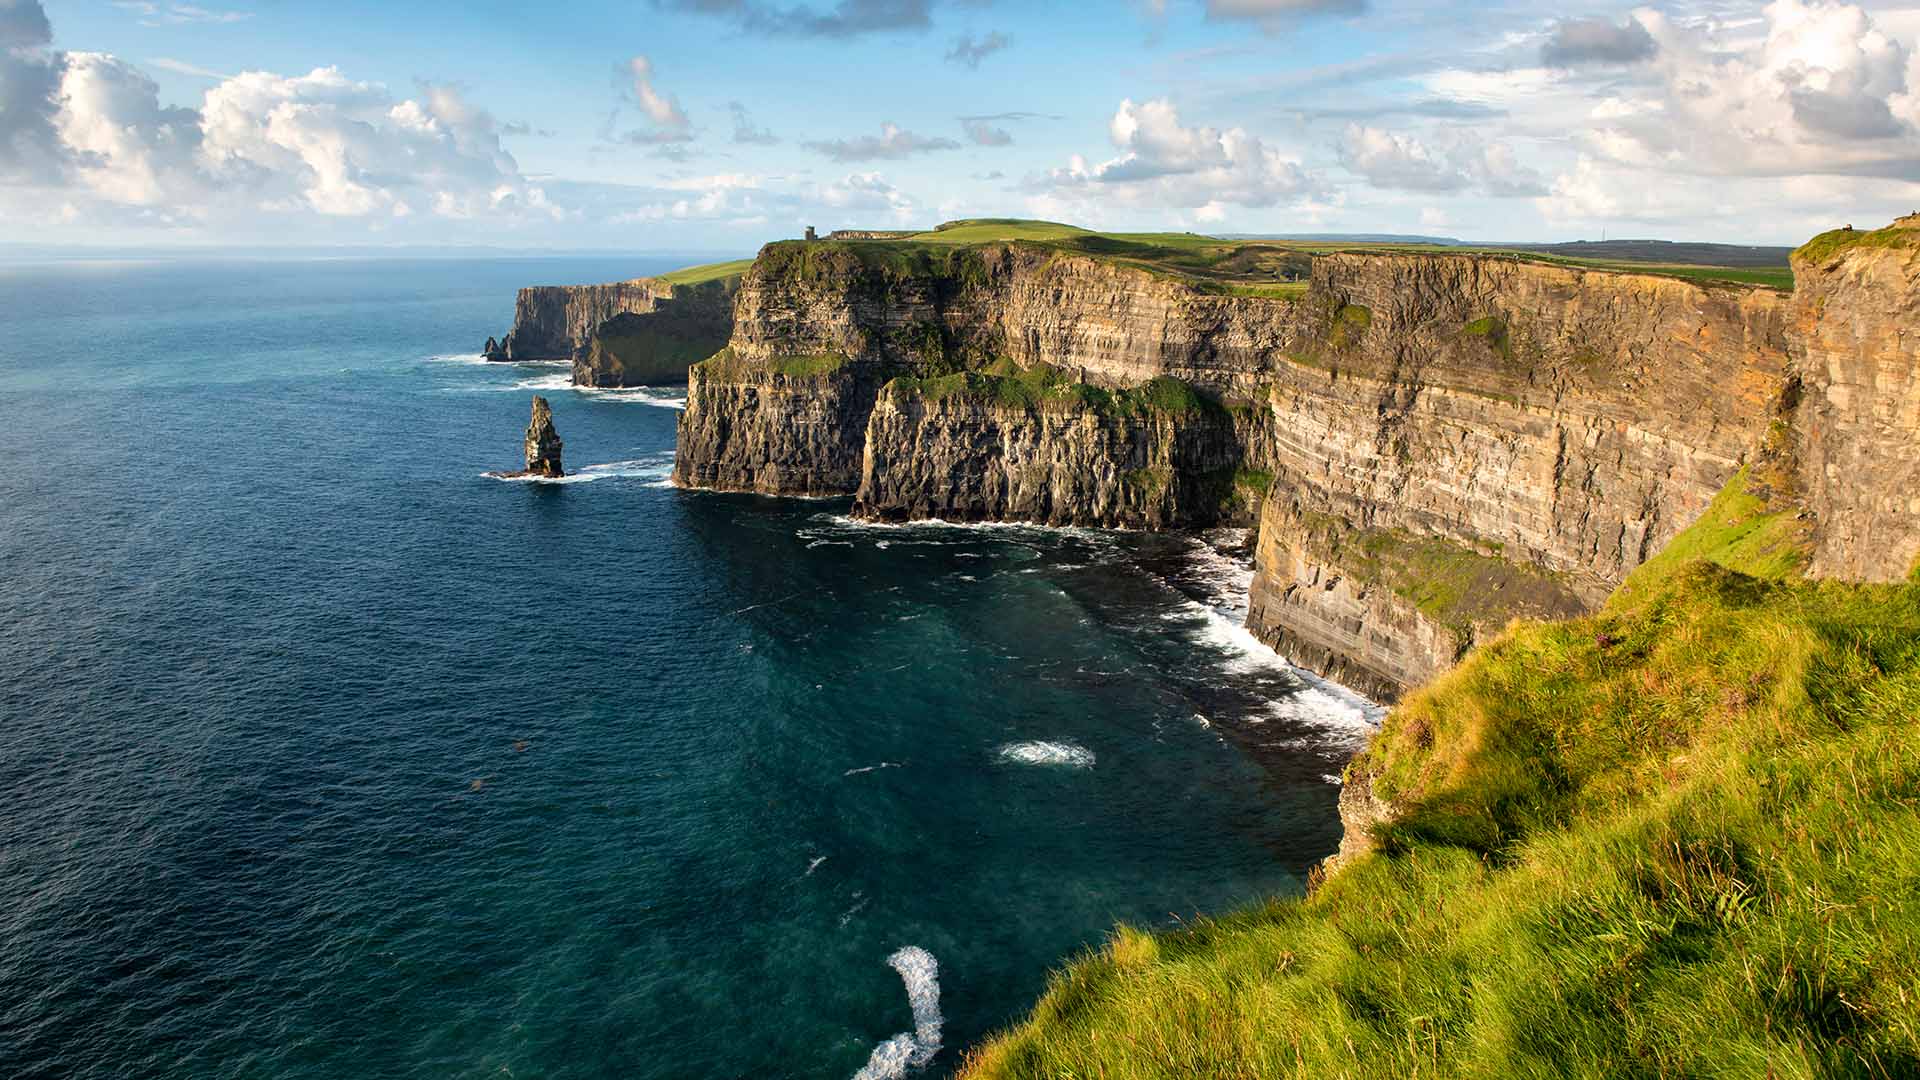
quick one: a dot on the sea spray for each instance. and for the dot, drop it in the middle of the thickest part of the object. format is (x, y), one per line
(1044, 752)
(891, 1059)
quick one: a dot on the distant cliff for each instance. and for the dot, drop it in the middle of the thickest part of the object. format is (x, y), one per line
(630, 333)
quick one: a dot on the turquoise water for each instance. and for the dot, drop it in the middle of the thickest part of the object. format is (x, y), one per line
(321, 755)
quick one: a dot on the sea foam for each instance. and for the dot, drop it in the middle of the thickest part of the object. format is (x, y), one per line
(657, 469)
(915, 1049)
(1044, 752)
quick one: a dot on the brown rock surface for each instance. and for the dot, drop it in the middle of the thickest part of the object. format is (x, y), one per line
(1856, 324)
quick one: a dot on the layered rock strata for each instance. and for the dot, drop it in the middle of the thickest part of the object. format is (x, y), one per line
(1856, 324)
(1524, 433)
(657, 347)
(556, 322)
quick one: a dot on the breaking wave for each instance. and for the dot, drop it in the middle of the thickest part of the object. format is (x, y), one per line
(1043, 752)
(657, 468)
(915, 1049)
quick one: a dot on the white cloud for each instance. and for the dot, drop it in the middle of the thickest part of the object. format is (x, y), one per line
(894, 142)
(662, 110)
(87, 132)
(1164, 163)
(1823, 91)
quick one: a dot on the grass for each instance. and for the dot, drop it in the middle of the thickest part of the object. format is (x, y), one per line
(1465, 590)
(700, 275)
(1041, 386)
(1679, 837)
(1828, 245)
(1778, 278)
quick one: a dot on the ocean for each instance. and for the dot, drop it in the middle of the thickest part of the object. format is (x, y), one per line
(324, 755)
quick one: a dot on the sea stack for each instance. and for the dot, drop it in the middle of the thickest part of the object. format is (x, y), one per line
(543, 443)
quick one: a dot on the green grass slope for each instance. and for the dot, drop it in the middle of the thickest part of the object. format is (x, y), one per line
(699, 275)
(1680, 837)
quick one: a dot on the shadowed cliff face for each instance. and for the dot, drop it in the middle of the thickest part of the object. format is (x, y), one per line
(556, 322)
(1857, 328)
(820, 329)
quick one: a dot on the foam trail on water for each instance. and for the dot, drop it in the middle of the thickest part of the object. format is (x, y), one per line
(657, 469)
(1044, 752)
(915, 1049)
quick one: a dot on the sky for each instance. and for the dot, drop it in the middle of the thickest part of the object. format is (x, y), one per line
(677, 125)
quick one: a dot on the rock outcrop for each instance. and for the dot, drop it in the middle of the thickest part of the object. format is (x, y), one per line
(543, 443)
(1856, 326)
(542, 446)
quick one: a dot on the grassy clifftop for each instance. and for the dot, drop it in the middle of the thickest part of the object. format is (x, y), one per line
(1678, 837)
(1270, 269)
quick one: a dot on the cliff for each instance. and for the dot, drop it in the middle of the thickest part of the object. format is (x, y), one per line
(819, 330)
(1856, 324)
(1549, 426)
(684, 327)
(556, 322)
(1546, 422)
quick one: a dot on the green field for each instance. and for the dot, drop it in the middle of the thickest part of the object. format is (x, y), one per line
(698, 275)
(1269, 269)
(1677, 838)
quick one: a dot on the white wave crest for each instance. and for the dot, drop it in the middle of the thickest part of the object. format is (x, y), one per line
(1341, 717)
(658, 469)
(1043, 752)
(915, 1049)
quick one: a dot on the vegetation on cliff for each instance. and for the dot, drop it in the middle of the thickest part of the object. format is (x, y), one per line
(1904, 233)
(1008, 385)
(1678, 837)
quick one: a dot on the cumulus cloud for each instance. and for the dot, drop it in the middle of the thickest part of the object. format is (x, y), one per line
(1823, 91)
(745, 131)
(846, 19)
(1577, 42)
(1395, 160)
(30, 149)
(1165, 163)
(893, 143)
(87, 130)
(969, 50)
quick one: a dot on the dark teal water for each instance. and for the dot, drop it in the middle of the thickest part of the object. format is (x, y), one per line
(323, 756)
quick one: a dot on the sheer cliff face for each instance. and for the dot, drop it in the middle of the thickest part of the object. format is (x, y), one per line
(650, 348)
(1857, 327)
(556, 322)
(962, 452)
(1527, 432)
(820, 329)
(1549, 419)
